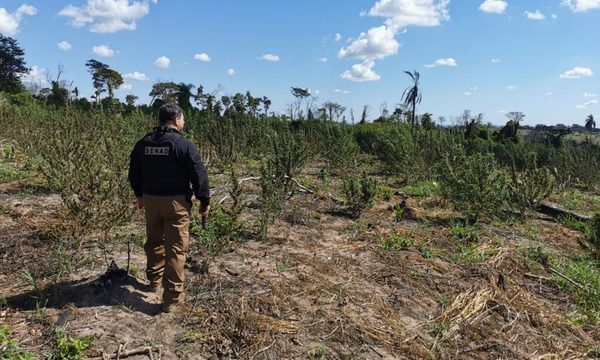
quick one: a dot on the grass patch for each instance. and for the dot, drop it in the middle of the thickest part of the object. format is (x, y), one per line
(192, 336)
(5, 208)
(8, 174)
(538, 254)
(574, 200)
(573, 223)
(69, 347)
(587, 297)
(462, 231)
(10, 349)
(424, 189)
(395, 242)
(439, 328)
(282, 266)
(468, 255)
(319, 352)
(425, 251)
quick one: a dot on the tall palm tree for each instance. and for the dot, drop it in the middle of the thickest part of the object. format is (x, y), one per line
(412, 95)
(590, 124)
(184, 94)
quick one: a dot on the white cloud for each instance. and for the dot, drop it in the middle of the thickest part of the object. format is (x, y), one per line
(549, 93)
(322, 59)
(126, 86)
(202, 57)
(317, 92)
(377, 43)
(493, 6)
(582, 5)
(511, 87)
(231, 72)
(586, 104)
(64, 46)
(589, 95)
(537, 15)
(361, 72)
(577, 72)
(107, 16)
(495, 61)
(338, 37)
(403, 13)
(103, 50)
(340, 91)
(269, 57)
(9, 23)
(442, 62)
(472, 91)
(162, 62)
(136, 76)
(36, 76)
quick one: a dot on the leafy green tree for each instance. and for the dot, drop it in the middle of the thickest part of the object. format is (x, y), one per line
(427, 121)
(266, 105)
(12, 65)
(104, 78)
(412, 95)
(301, 94)
(165, 92)
(59, 95)
(131, 99)
(252, 103)
(510, 130)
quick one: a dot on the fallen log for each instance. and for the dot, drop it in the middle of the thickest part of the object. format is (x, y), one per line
(555, 211)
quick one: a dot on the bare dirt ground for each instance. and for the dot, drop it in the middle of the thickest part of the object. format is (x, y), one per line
(321, 287)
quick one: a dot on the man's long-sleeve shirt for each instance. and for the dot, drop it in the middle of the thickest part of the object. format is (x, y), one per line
(164, 163)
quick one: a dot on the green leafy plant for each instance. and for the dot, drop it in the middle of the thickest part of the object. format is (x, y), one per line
(219, 231)
(529, 187)
(10, 349)
(386, 193)
(474, 185)
(272, 198)
(359, 193)
(592, 236)
(423, 189)
(466, 232)
(70, 347)
(395, 242)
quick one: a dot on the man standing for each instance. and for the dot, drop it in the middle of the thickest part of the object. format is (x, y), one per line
(163, 164)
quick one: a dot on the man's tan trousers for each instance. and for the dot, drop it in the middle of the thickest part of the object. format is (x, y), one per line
(167, 223)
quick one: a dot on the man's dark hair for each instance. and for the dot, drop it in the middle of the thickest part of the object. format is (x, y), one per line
(169, 113)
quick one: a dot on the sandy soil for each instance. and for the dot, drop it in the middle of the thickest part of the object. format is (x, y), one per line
(319, 287)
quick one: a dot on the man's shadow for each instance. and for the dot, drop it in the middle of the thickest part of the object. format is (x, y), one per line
(112, 288)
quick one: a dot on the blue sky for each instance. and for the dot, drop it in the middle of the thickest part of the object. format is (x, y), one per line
(489, 56)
